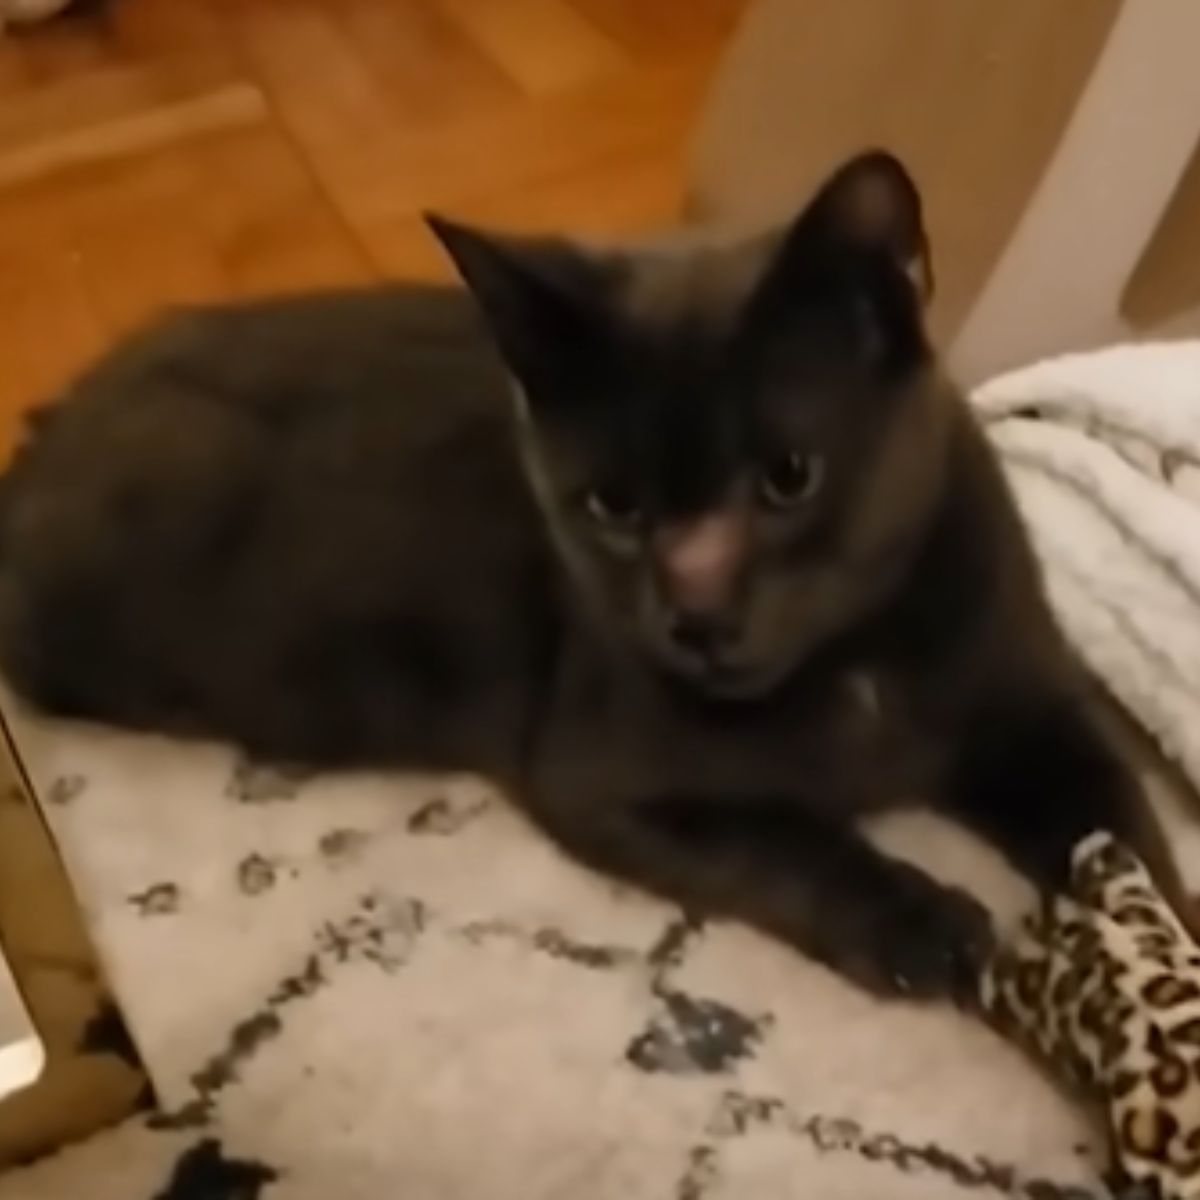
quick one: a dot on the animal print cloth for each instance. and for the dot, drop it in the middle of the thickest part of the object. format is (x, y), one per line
(1105, 985)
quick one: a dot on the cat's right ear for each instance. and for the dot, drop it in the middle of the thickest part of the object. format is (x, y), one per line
(538, 297)
(871, 204)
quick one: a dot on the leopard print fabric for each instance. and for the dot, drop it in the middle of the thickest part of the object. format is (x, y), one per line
(1104, 984)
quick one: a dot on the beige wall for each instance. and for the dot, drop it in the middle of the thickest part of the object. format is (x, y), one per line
(1047, 137)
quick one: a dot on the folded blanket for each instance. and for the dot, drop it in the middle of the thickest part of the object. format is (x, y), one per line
(1103, 451)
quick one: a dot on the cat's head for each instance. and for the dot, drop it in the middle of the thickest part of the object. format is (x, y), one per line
(737, 449)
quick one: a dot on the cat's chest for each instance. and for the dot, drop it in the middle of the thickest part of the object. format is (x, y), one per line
(850, 742)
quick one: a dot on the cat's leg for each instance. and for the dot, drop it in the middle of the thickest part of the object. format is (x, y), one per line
(821, 887)
(1036, 779)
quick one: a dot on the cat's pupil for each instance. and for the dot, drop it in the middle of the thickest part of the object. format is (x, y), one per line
(790, 480)
(613, 507)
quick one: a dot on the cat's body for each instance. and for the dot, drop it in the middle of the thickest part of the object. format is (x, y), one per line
(783, 584)
(306, 531)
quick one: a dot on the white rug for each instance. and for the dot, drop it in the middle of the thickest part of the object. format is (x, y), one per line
(378, 987)
(373, 987)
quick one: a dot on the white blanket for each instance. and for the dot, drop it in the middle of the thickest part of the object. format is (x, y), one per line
(1103, 450)
(382, 986)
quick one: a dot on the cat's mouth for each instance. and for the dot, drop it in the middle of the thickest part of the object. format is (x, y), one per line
(724, 682)
(724, 679)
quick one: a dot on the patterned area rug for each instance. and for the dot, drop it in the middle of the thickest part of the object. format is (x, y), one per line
(369, 986)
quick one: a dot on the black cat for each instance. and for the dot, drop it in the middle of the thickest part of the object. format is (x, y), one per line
(741, 569)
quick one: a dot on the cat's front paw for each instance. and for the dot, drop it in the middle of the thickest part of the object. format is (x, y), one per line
(919, 939)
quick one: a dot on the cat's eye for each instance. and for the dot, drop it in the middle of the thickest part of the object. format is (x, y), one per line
(613, 508)
(791, 480)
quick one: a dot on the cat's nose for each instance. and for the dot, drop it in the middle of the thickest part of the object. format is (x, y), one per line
(701, 560)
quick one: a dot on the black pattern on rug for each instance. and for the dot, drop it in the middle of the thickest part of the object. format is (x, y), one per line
(695, 1036)
(690, 1035)
(158, 900)
(204, 1173)
(65, 789)
(261, 783)
(444, 816)
(383, 930)
(740, 1115)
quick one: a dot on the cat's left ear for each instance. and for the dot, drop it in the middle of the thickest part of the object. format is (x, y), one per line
(871, 204)
(539, 297)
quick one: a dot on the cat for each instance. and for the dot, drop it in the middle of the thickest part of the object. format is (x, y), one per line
(694, 550)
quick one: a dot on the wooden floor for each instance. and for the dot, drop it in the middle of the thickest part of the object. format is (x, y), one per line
(190, 150)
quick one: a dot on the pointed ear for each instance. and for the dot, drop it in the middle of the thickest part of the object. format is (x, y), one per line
(872, 203)
(539, 298)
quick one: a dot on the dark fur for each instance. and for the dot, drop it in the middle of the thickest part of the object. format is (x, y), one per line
(305, 526)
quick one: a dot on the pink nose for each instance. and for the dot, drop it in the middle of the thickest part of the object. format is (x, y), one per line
(701, 560)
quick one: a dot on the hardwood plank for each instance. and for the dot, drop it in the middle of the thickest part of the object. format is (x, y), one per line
(169, 229)
(60, 51)
(425, 64)
(121, 169)
(379, 170)
(626, 195)
(15, 77)
(544, 45)
(139, 246)
(324, 96)
(164, 125)
(50, 329)
(114, 91)
(654, 30)
(634, 110)
(275, 231)
(166, 228)
(147, 29)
